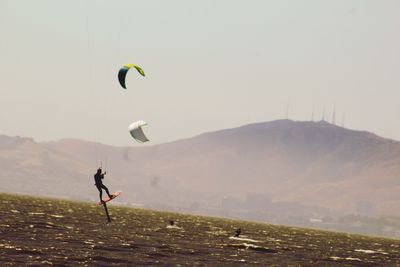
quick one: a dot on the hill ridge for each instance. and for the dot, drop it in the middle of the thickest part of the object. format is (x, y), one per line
(224, 172)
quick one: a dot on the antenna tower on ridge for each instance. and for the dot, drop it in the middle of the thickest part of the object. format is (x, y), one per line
(343, 119)
(287, 110)
(312, 113)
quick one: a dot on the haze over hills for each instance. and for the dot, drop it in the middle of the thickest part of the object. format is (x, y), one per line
(282, 168)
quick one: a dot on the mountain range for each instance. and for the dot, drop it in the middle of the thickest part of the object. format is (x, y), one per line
(286, 166)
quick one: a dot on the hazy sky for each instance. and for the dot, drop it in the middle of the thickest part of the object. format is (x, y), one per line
(209, 65)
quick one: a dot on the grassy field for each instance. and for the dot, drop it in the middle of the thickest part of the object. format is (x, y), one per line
(40, 231)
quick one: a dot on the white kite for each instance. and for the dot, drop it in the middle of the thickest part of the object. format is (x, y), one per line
(136, 131)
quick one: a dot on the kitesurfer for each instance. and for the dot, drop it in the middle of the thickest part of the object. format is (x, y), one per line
(99, 184)
(238, 232)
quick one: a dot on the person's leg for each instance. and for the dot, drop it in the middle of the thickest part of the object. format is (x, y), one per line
(100, 192)
(106, 189)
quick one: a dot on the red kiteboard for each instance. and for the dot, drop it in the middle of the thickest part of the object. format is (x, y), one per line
(108, 199)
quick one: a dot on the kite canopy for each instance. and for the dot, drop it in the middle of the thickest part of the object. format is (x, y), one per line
(124, 70)
(136, 131)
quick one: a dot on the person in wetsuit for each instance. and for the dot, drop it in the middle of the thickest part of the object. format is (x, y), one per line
(99, 184)
(238, 232)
